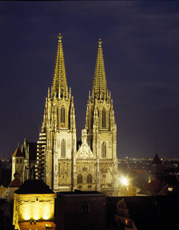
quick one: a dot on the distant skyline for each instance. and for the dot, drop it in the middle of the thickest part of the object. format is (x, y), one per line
(141, 54)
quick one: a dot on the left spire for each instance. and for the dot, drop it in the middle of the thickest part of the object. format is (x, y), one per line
(59, 84)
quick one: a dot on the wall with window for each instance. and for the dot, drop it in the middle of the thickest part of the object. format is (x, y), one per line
(81, 210)
(85, 175)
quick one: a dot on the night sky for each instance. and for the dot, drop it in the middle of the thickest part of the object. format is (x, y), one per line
(141, 56)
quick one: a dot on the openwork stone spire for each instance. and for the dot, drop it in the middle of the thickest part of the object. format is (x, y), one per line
(59, 84)
(99, 83)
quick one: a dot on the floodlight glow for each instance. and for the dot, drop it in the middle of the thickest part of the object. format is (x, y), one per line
(124, 181)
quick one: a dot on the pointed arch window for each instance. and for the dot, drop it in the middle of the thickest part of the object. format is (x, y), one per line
(79, 179)
(89, 179)
(62, 114)
(63, 148)
(103, 150)
(104, 118)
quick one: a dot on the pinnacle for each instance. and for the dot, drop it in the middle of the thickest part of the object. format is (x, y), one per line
(100, 42)
(99, 83)
(60, 37)
(59, 80)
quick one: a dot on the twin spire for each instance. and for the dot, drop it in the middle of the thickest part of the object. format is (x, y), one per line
(59, 84)
(99, 83)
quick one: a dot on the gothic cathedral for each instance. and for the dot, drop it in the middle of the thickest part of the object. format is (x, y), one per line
(61, 163)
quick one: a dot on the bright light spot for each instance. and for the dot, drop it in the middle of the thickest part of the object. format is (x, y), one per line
(36, 212)
(46, 216)
(26, 215)
(124, 181)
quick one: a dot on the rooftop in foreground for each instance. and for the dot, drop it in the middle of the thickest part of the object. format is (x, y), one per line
(81, 193)
(34, 187)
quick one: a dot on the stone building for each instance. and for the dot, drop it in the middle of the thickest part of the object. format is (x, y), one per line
(80, 210)
(23, 161)
(60, 164)
(143, 212)
(157, 168)
(161, 181)
(92, 166)
(17, 163)
(34, 206)
(13, 186)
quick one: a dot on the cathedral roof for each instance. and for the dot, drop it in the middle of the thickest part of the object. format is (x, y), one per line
(99, 83)
(59, 84)
(156, 160)
(18, 153)
(34, 187)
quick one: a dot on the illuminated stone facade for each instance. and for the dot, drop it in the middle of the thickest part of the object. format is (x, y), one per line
(57, 141)
(60, 164)
(34, 205)
(17, 163)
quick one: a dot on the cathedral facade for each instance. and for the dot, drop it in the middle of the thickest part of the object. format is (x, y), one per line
(60, 163)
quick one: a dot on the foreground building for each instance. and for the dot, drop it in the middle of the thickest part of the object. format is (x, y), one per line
(92, 167)
(145, 213)
(34, 209)
(80, 210)
(34, 206)
(13, 186)
(161, 182)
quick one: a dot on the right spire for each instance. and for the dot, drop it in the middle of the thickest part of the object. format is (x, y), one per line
(99, 84)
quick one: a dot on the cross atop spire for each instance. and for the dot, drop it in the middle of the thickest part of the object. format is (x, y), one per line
(59, 84)
(99, 84)
(60, 37)
(100, 42)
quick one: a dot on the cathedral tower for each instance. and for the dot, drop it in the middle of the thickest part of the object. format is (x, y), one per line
(101, 128)
(94, 166)
(57, 140)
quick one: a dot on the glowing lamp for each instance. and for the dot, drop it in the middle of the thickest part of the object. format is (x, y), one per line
(46, 216)
(124, 181)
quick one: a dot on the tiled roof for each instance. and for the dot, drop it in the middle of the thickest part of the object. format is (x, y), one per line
(171, 180)
(156, 160)
(2, 190)
(155, 186)
(18, 153)
(150, 212)
(34, 187)
(15, 183)
(81, 193)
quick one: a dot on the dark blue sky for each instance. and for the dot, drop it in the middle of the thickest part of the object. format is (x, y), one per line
(141, 55)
